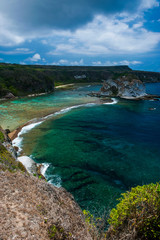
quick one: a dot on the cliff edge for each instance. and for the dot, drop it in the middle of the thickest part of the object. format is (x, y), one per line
(33, 209)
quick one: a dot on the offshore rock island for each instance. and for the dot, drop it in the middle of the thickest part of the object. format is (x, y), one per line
(128, 87)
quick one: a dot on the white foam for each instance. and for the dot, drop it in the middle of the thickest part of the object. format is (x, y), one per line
(19, 139)
(55, 180)
(44, 168)
(65, 110)
(29, 127)
(29, 164)
(110, 103)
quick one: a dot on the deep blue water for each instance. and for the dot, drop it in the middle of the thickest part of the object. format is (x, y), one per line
(98, 152)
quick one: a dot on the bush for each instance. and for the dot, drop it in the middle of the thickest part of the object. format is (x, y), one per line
(138, 213)
(96, 225)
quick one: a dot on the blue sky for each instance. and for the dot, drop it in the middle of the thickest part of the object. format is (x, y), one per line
(86, 32)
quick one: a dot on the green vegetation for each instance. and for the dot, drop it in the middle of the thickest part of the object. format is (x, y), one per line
(57, 232)
(22, 80)
(137, 214)
(7, 162)
(95, 225)
(1, 137)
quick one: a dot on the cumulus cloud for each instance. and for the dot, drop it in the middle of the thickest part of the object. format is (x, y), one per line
(36, 57)
(107, 36)
(21, 20)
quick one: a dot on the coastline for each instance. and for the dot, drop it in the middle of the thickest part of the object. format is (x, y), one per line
(16, 138)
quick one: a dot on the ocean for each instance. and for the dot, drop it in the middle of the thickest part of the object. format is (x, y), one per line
(95, 150)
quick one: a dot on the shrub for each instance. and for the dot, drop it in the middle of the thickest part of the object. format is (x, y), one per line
(138, 213)
(57, 232)
(95, 225)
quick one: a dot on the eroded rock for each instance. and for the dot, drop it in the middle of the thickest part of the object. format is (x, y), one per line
(126, 87)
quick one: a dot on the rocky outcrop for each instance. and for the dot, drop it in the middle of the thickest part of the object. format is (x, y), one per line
(33, 209)
(7, 143)
(9, 95)
(125, 87)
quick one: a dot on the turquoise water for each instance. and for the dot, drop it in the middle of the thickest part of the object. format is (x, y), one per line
(99, 151)
(18, 111)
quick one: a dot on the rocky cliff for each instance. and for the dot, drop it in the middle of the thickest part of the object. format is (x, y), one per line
(31, 208)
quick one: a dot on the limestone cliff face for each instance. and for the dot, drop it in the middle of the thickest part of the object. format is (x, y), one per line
(126, 87)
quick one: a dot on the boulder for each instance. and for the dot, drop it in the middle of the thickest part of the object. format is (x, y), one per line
(9, 95)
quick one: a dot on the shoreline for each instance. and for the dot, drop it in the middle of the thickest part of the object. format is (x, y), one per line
(27, 161)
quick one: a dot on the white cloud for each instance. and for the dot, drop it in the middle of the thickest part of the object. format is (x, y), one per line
(17, 51)
(116, 63)
(77, 63)
(36, 57)
(148, 4)
(23, 49)
(1, 59)
(22, 63)
(97, 63)
(125, 62)
(8, 35)
(44, 42)
(64, 62)
(107, 36)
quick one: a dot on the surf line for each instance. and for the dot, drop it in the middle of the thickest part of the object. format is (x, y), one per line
(17, 135)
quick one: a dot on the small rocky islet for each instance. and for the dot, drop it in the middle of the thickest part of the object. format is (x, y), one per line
(126, 87)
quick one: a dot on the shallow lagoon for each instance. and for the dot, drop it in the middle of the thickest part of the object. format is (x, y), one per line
(99, 150)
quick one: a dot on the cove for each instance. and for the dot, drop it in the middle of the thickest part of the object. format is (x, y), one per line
(98, 151)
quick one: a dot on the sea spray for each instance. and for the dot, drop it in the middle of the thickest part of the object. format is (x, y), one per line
(44, 168)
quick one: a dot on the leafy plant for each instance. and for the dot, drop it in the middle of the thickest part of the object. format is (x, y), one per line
(138, 212)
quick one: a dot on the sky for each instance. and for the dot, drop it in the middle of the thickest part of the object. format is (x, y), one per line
(81, 33)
